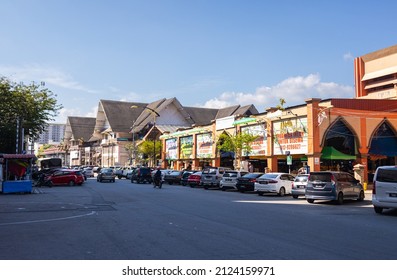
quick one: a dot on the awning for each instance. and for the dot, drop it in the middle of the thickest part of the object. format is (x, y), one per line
(17, 156)
(333, 154)
(384, 146)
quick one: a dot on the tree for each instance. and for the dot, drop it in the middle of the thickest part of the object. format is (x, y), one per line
(237, 144)
(147, 148)
(30, 107)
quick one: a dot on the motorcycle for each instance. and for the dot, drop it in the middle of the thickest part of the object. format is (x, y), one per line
(42, 181)
(157, 182)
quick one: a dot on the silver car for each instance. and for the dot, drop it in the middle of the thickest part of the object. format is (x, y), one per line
(229, 179)
(333, 185)
(299, 185)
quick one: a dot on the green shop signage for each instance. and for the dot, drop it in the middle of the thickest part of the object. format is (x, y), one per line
(186, 147)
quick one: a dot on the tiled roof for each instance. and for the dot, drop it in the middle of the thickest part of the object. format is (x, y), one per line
(82, 127)
(120, 115)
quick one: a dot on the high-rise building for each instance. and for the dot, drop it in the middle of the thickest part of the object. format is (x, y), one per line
(53, 134)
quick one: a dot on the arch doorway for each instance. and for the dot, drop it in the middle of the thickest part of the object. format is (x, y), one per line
(342, 140)
(383, 148)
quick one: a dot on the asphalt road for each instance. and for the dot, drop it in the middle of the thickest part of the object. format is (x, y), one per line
(124, 221)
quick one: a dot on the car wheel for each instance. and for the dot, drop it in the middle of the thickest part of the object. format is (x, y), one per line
(378, 210)
(295, 196)
(71, 183)
(310, 200)
(281, 192)
(191, 185)
(361, 196)
(260, 193)
(340, 198)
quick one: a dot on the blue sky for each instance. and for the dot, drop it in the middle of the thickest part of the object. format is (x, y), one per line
(211, 53)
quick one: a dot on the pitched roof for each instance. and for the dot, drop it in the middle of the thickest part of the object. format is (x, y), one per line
(246, 110)
(120, 115)
(81, 127)
(201, 116)
(226, 112)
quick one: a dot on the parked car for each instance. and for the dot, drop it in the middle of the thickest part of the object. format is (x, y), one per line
(142, 175)
(276, 182)
(128, 173)
(299, 185)
(229, 179)
(246, 183)
(89, 172)
(106, 174)
(212, 176)
(194, 179)
(119, 172)
(185, 177)
(333, 185)
(384, 192)
(173, 177)
(69, 177)
(96, 169)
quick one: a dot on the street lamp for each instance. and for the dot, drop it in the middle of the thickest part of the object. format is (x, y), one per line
(155, 114)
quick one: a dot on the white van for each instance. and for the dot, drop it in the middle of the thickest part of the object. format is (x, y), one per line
(384, 193)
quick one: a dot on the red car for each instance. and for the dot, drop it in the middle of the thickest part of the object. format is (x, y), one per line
(194, 179)
(66, 177)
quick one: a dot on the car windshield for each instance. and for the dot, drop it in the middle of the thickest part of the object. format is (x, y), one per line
(252, 175)
(301, 178)
(175, 173)
(269, 176)
(322, 177)
(210, 171)
(230, 174)
(106, 170)
(387, 175)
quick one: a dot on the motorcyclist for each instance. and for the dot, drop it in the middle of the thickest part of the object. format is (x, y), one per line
(157, 178)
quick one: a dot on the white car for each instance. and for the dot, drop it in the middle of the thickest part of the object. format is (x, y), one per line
(89, 172)
(229, 179)
(279, 183)
(384, 192)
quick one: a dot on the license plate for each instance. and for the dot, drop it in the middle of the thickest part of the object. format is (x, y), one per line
(393, 194)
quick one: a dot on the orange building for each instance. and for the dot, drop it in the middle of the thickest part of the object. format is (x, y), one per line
(334, 134)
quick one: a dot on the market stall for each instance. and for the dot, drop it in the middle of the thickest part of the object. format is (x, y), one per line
(15, 173)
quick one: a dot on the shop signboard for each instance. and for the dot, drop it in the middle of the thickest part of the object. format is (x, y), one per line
(186, 147)
(204, 145)
(171, 149)
(290, 135)
(259, 146)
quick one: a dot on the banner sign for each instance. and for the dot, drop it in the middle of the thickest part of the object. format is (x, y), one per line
(171, 149)
(204, 145)
(290, 135)
(259, 146)
(186, 144)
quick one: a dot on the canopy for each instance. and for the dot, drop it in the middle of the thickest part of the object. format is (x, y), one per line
(17, 156)
(333, 154)
(385, 146)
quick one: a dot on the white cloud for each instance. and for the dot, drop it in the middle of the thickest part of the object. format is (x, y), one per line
(348, 56)
(295, 90)
(39, 73)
